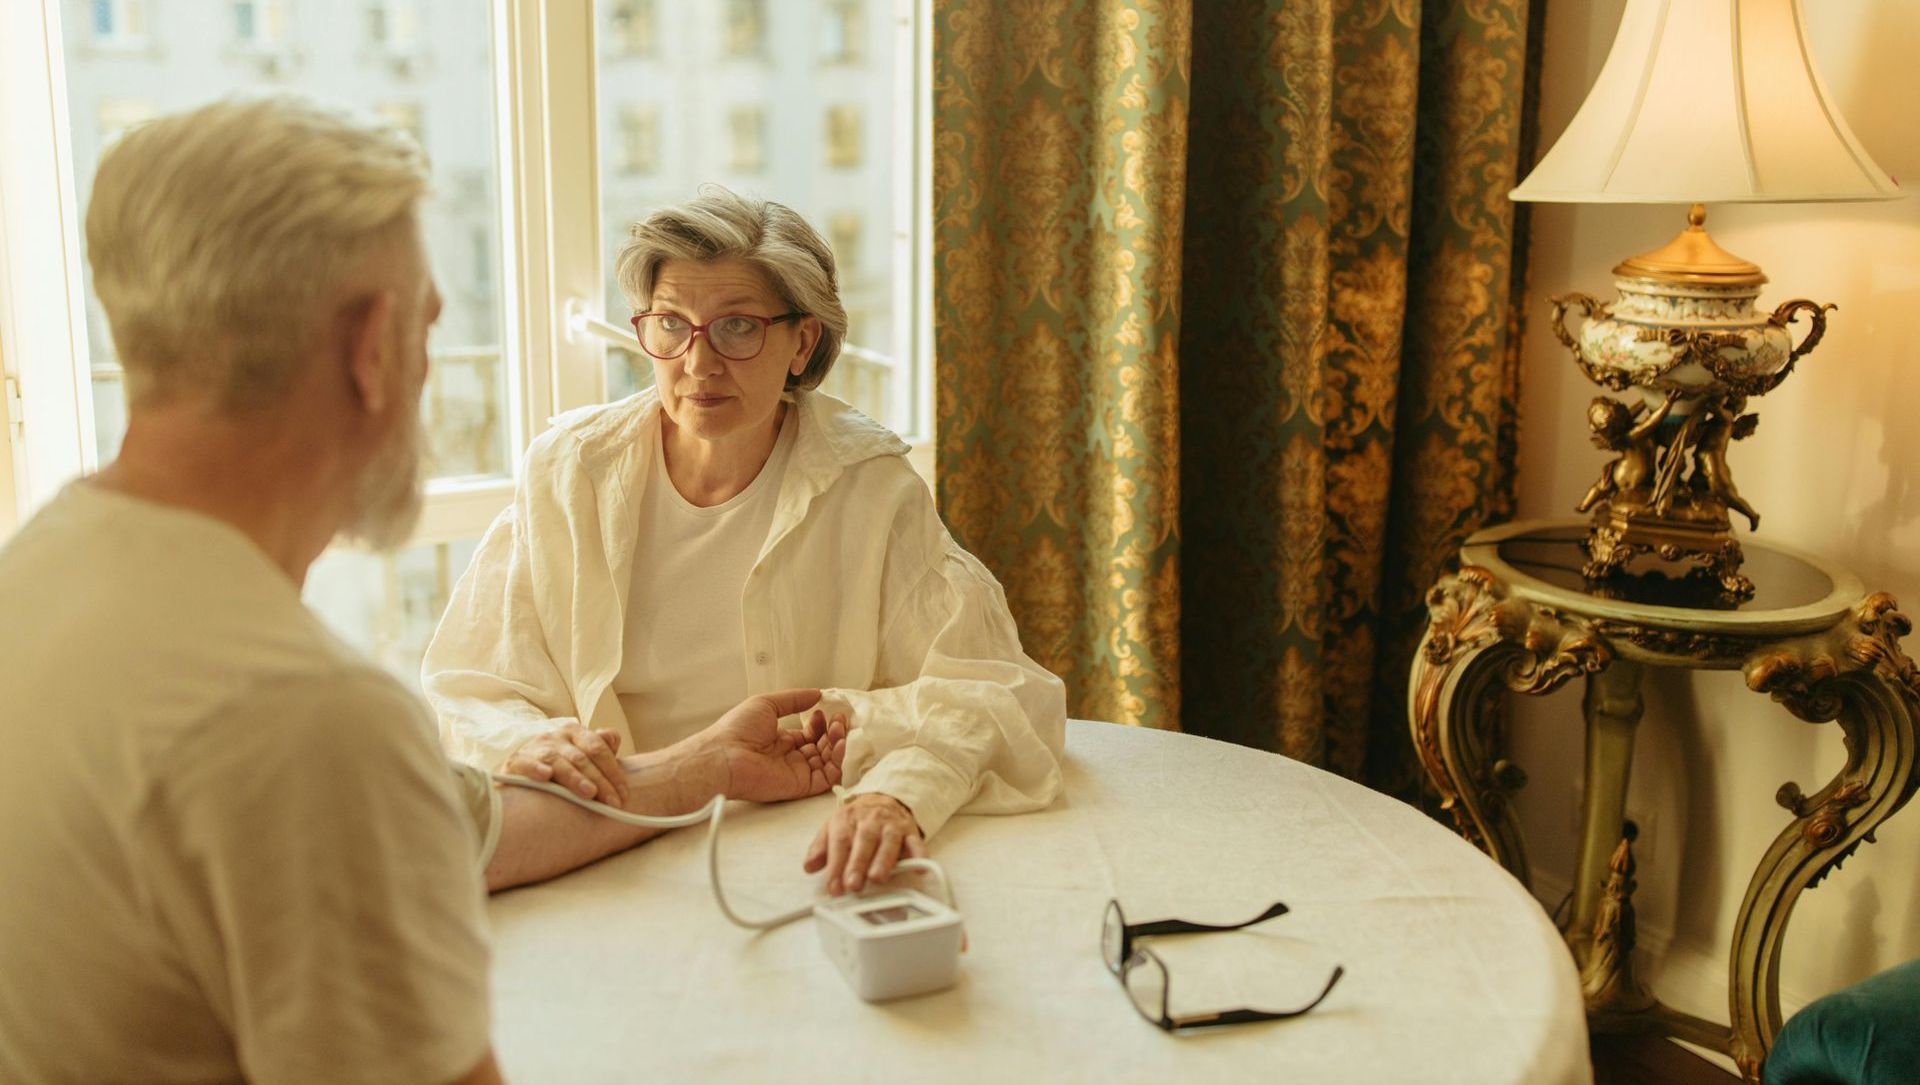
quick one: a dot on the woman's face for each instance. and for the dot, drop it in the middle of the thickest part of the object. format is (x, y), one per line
(707, 395)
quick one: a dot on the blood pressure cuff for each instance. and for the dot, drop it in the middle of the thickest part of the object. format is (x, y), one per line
(1866, 1034)
(481, 801)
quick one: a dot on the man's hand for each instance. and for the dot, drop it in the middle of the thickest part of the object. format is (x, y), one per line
(764, 762)
(863, 840)
(579, 759)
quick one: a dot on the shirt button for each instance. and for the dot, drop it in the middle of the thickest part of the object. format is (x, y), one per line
(760, 658)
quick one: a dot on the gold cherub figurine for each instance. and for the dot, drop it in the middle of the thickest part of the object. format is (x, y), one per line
(1619, 428)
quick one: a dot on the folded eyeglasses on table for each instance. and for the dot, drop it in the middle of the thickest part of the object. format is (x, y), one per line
(1144, 975)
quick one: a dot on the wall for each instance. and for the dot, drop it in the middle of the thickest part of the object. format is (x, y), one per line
(1834, 469)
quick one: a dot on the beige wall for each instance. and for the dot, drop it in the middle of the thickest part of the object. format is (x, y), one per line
(1834, 469)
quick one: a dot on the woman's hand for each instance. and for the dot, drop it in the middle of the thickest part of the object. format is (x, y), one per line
(863, 840)
(577, 758)
(764, 762)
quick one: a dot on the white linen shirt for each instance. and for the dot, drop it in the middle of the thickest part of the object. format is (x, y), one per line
(858, 590)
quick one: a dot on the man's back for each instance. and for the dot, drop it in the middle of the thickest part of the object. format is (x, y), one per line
(230, 846)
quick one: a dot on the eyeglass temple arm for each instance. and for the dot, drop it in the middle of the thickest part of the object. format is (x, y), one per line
(1241, 1017)
(1181, 926)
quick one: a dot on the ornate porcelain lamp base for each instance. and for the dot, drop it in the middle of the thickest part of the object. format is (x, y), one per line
(1685, 339)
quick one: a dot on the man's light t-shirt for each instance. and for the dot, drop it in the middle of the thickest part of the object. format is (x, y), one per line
(230, 847)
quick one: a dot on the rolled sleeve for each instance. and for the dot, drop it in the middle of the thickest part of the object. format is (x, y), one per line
(963, 720)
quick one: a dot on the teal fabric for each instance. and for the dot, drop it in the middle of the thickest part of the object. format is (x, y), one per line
(1866, 1034)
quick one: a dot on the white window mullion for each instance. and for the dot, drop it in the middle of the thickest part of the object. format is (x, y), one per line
(550, 45)
(42, 306)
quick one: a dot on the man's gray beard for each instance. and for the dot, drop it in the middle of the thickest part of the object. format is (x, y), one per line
(389, 496)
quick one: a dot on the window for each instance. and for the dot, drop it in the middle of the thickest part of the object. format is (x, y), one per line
(522, 246)
(392, 26)
(468, 405)
(747, 132)
(843, 233)
(639, 139)
(843, 137)
(841, 31)
(631, 30)
(259, 24)
(117, 23)
(780, 137)
(745, 29)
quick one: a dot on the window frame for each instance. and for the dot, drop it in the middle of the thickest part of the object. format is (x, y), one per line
(552, 330)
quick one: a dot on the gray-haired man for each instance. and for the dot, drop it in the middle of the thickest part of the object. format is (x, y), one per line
(231, 847)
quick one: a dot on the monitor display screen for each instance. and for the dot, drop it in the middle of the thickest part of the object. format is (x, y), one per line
(898, 913)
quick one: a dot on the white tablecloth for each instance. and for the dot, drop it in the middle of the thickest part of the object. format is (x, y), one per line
(626, 971)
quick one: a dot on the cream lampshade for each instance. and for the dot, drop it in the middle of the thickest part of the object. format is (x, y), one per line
(1708, 101)
(1699, 101)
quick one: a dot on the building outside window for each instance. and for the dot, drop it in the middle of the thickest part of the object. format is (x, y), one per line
(259, 24)
(634, 29)
(842, 31)
(843, 136)
(392, 25)
(745, 29)
(639, 139)
(747, 132)
(117, 22)
(843, 233)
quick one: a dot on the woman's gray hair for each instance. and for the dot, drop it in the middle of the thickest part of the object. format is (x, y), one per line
(720, 224)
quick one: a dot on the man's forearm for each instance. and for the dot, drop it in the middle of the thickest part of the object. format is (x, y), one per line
(542, 835)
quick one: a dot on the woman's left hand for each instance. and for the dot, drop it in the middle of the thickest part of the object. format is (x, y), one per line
(863, 840)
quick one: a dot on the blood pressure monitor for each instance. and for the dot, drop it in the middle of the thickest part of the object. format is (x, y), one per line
(890, 944)
(894, 943)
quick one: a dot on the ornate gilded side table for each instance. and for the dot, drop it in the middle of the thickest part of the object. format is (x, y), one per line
(1519, 615)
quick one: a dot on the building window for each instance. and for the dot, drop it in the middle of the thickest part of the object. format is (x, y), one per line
(843, 233)
(406, 117)
(260, 24)
(841, 29)
(746, 28)
(632, 29)
(639, 139)
(392, 25)
(115, 115)
(747, 127)
(843, 136)
(480, 247)
(117, 22)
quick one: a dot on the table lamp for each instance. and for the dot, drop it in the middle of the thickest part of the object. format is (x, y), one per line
(1699, 101)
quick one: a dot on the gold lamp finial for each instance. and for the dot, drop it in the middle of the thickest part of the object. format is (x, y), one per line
(1692, 257)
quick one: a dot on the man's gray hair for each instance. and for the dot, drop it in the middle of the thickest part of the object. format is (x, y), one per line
(221, 238)
(720, 224)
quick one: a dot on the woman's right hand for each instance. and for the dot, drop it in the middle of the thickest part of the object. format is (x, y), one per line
(577, 758)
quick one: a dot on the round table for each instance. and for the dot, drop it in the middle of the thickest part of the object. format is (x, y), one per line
(625, 971)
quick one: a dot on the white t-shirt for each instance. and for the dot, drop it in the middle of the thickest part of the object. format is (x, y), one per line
(684, 658)
(230, 847)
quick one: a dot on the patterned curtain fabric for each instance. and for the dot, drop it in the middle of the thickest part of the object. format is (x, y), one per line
(1225, 299)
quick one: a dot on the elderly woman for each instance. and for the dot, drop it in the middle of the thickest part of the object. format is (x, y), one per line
(731, 531)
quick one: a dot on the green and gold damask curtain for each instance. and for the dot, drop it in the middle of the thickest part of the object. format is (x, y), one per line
(1226, 340)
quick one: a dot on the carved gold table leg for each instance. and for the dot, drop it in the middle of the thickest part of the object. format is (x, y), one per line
(1613, 708)
(1857, 674)
(1479, 639)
